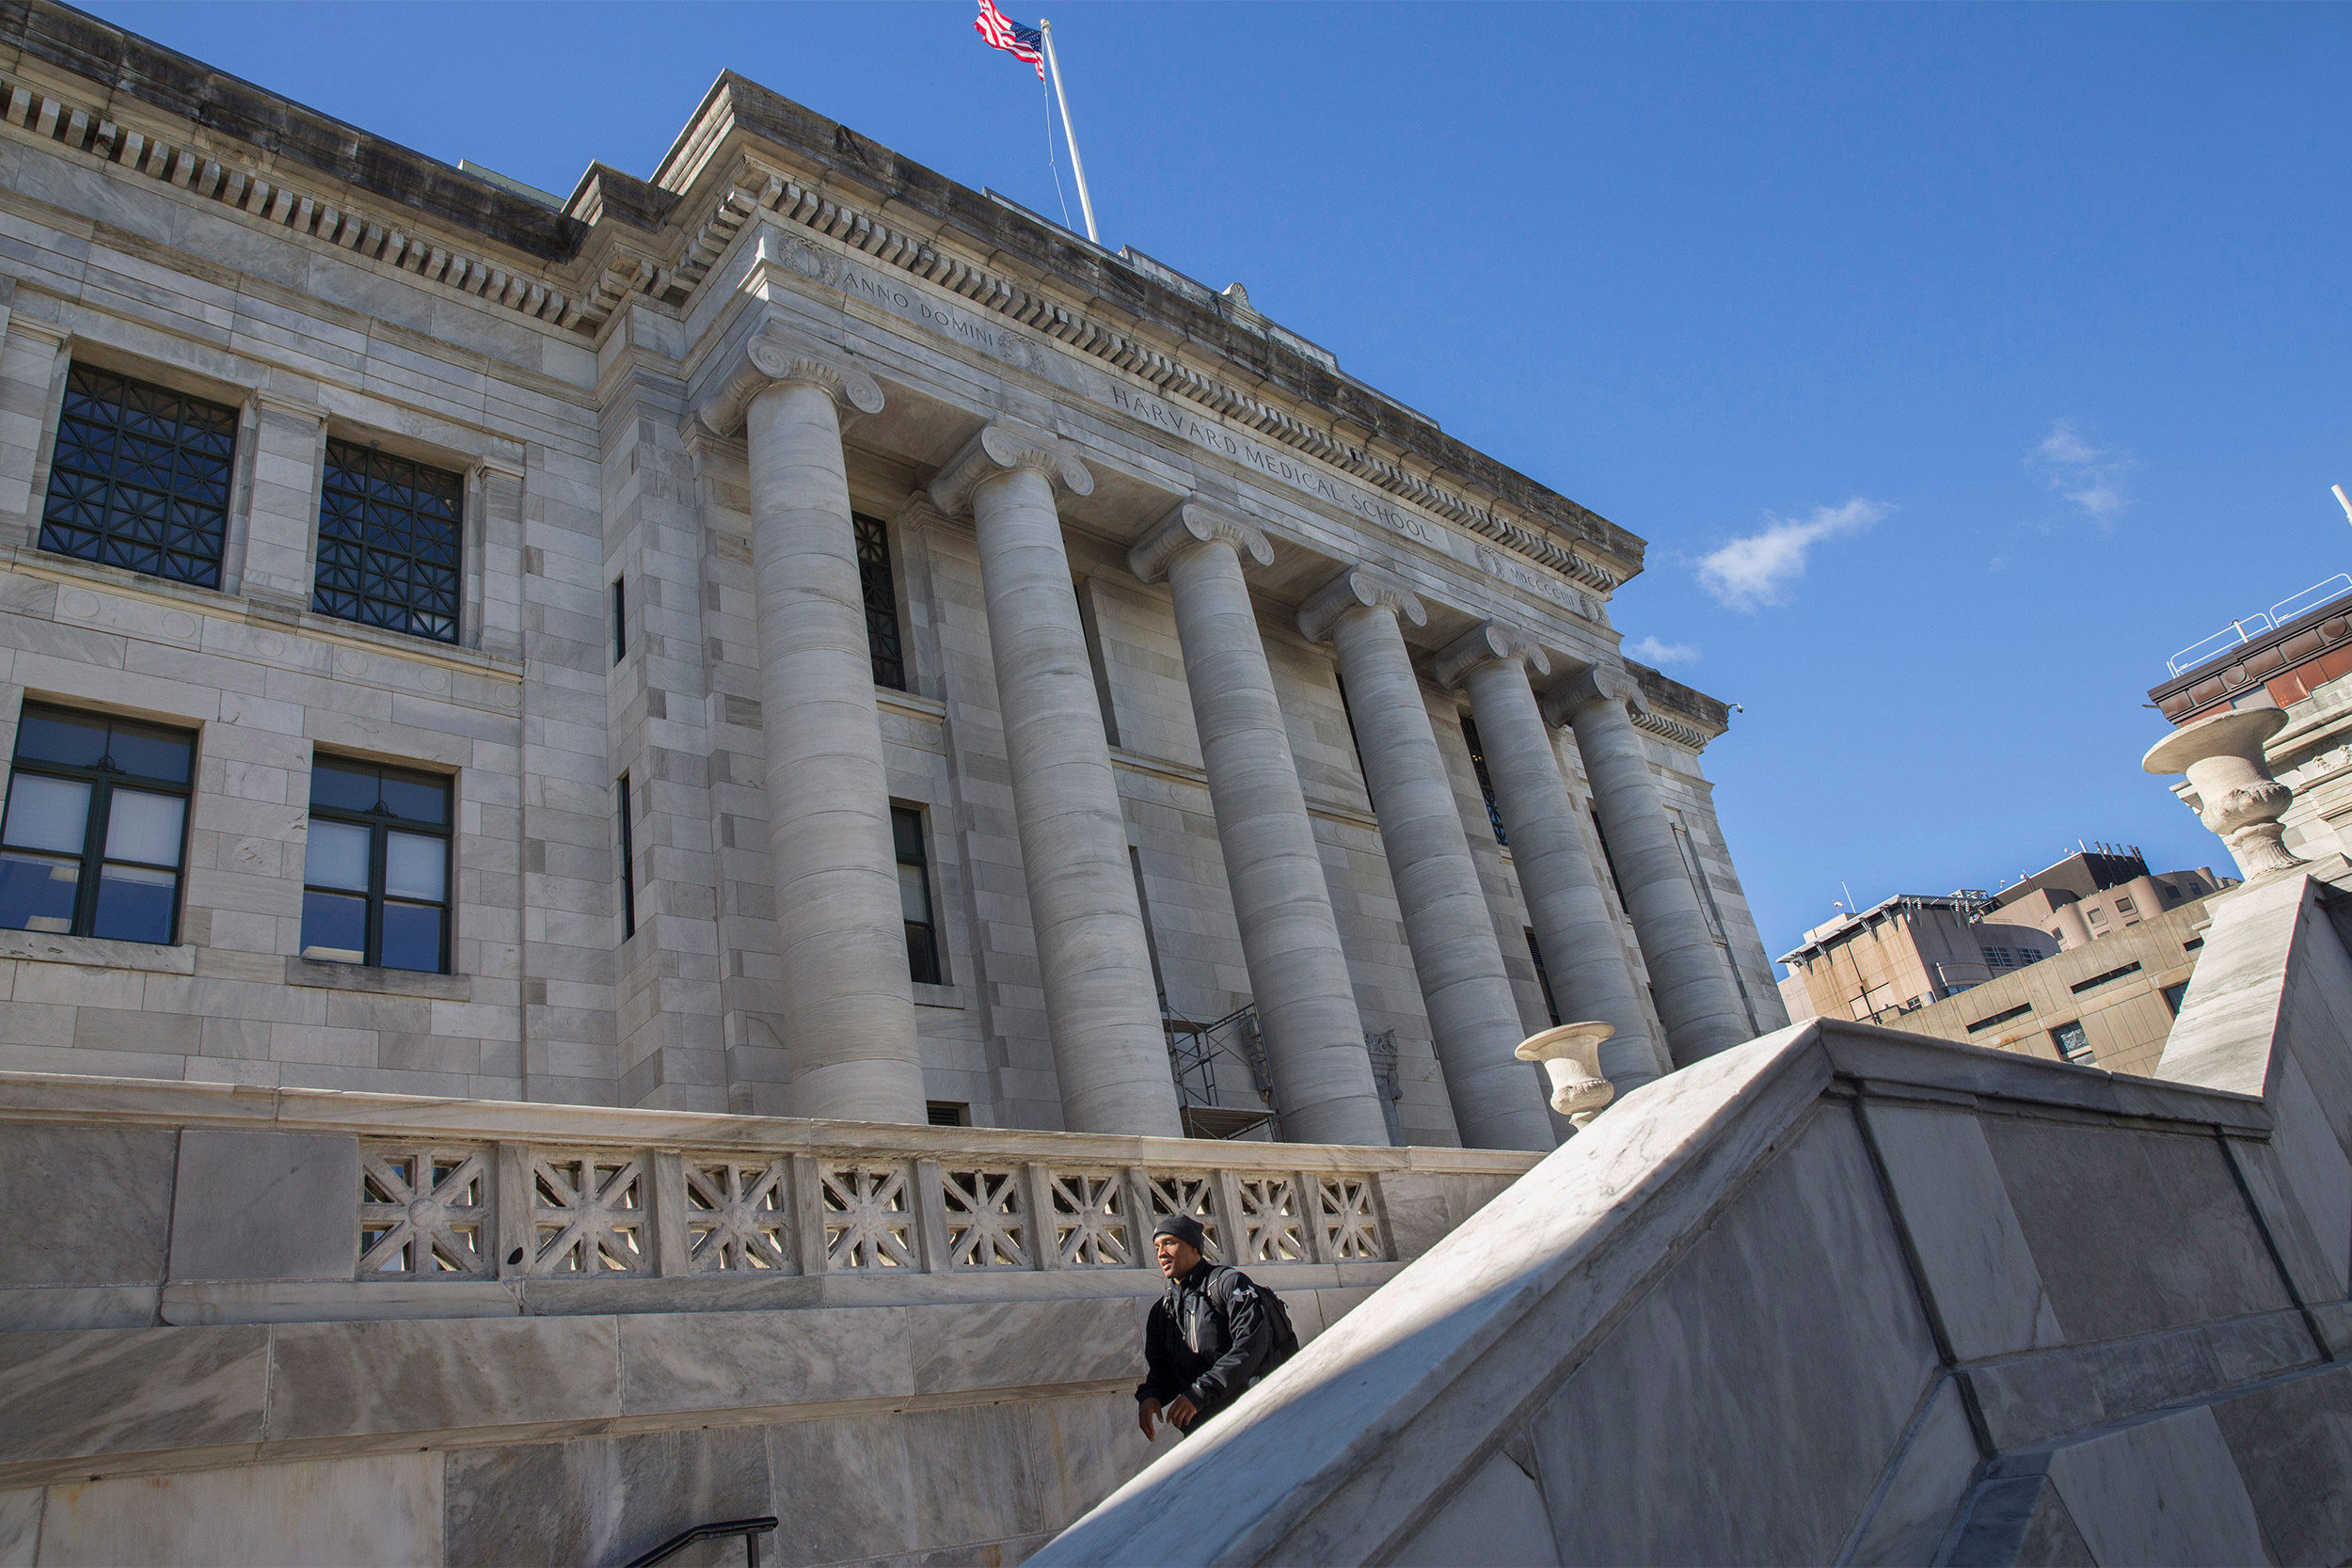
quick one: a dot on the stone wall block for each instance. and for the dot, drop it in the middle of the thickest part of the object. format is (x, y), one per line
(265, 1206)
(1980, 1274)
(86, 1205)
(372, 1510)
(349, 1379)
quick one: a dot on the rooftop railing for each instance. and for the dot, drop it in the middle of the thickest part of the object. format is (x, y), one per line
(2260, 621)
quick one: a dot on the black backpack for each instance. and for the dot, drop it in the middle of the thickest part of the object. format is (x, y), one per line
(1285, 1337)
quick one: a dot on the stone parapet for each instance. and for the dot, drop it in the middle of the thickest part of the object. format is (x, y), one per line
(211, 1204)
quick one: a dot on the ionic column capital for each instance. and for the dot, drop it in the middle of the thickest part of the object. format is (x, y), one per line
(1194, 521)
(1357, 587)
(1591, 688)
(1008, 447)
(1484, 643)
(777, 355)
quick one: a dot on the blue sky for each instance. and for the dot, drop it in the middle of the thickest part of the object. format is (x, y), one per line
(1959, 363)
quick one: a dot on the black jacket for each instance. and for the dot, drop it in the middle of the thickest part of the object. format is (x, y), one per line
(1208, 1337)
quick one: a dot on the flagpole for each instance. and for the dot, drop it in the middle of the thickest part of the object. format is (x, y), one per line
(1077, 164)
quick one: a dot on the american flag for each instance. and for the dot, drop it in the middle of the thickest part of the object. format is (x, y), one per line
(1003, 32)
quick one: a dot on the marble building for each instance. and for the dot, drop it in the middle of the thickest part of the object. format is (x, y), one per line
(790, 636)
(635, 824)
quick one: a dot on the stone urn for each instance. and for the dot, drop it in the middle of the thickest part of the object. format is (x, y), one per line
(2225, 763)
(1571, 1055)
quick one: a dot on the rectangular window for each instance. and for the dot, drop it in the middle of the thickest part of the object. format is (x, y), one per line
(1551, 1004)
(882, 601)
(1486, 783)
(96, 828)
(2124, 906)
(1999, 1019)
(915, 896)
(140, 477)
(2081, 985)
(1089, 628)
(2073, 1044)
(620, 622)
(629, 864)
(1354, 741)
(389, 537)
(947, 1112)
(2173, 995)
(1610, 860)
(375, 874)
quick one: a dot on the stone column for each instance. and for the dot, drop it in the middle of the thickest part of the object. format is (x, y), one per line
(1110, 1055)
(1690, 976)
(1314, 1038)
(848, 1005)
(1583, 956)
(1498, 1103)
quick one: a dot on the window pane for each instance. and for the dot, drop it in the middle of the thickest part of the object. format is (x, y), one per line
(37, 893)
(412, 936)
(922, 956)
(49, 735)
(914, 904)
(415, 866)
(388, 542)
(342, 786)
(906, 833)
(148, 752)
(413, 798)
(144, 827)
(48, 814)
(334, 927)
(140, 477)
(134, 904)
(337, 856)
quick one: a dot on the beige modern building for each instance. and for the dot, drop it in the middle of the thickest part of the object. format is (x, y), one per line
(2099, 892)
(1887, 961)
(613, 802)
(2085, 961)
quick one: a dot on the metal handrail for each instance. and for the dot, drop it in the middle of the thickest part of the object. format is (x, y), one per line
(2248, 626)
(750, 1530)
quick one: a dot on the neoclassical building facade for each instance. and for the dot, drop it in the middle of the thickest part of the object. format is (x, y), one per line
(793, 636)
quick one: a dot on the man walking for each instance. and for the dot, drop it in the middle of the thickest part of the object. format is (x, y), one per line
(1208, 1338)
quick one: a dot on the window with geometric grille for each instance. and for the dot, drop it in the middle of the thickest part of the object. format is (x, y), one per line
(96, 828)
(375, 870)
(881, 602)
(389, 543)
(140, 477)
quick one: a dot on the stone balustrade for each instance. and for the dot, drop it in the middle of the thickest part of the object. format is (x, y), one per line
(287, 1205)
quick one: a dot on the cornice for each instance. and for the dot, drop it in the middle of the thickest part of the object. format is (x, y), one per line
(756, 189)
(277, 164)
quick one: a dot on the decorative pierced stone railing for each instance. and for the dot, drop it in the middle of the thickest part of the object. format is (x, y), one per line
(507, 1210)
(309, 1200)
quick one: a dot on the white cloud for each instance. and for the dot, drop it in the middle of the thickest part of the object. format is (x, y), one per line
(1651, 651)
(1755, 570)
(2090, 477)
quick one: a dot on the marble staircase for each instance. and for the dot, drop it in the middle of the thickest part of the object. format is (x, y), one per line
(1845, 1294)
